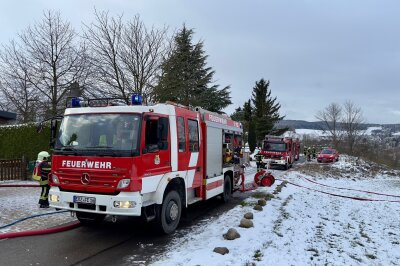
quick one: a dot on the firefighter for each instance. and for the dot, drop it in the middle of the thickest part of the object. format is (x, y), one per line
(228, 155)
(41, 173)
(313, 150)
(259, 158)
(308, 154)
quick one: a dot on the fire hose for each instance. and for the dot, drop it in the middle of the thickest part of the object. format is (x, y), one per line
(351, 189)
(339, 195)
(37, 232)
(34, 232)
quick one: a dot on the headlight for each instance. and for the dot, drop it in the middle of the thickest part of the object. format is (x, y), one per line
(123, 183)
(55, 179)
(124, 204)
(54, 198)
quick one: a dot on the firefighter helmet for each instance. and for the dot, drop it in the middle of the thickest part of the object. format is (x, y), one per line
(43, 155)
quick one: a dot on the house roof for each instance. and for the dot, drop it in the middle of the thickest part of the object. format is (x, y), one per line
(8, 115)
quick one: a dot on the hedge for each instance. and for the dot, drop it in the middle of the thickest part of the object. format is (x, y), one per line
(18, 141)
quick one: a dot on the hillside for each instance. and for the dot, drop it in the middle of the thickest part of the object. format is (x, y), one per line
(296, 124)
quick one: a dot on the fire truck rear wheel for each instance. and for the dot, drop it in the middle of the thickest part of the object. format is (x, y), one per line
(227, 194)
(170, 212)
(87, 218)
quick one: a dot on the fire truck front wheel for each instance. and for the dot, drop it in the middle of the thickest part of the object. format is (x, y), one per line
(169, 213)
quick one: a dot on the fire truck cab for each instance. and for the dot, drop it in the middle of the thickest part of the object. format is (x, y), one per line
(278, 151)
(135, 160)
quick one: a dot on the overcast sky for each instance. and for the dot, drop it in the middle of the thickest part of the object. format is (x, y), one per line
(313, 52)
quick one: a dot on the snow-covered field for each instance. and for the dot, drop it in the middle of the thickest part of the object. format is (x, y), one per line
(304, 226)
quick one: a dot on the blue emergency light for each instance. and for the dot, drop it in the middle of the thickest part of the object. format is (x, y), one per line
(136, 99)
(75, 102)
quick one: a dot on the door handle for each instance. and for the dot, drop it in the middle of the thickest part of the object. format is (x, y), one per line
(198, 169)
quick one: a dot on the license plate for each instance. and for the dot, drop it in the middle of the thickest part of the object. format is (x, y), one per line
(85, 200)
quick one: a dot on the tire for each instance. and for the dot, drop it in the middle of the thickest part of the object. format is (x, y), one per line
(227, 194)
(286, 166)
(87, 218)
(169, 213)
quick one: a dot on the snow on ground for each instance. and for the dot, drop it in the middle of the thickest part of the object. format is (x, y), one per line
(320, 133)
(17, 203)
(369, 130)
(302, 226)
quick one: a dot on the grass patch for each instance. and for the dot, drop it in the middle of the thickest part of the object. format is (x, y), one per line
(316, 253)
(370, 256)
(269, 196)
(259, 195)
(355, 258)
(257, 255)
(244, 203)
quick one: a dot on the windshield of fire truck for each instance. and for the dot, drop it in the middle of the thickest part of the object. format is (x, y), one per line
(272, 146)
(100, 132)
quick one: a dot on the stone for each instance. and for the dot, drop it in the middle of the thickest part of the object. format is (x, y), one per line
(248, 215)
(221, 250)
(232, 234)
(258, 208)
(262, 202)
(246, 223)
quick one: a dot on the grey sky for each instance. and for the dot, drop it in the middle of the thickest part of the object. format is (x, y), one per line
(313, 52)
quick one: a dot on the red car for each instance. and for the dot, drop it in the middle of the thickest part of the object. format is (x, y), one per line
(328, 155)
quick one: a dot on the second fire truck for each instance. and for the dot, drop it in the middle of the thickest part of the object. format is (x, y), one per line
(279, 151)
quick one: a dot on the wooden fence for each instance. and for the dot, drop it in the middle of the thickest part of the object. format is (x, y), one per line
(13, 169)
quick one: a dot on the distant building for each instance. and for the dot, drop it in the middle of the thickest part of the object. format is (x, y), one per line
(7, 117)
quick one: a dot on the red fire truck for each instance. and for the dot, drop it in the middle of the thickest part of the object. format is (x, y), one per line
(279, 151)
(135, 160)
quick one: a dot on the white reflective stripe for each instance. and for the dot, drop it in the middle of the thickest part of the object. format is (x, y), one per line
(194, 156)
(174, 142)
(214, 192)
(213, 179)
(198, 120)
(190, 178)
(150, 183)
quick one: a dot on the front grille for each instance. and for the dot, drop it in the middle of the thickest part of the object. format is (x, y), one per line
(87, 206)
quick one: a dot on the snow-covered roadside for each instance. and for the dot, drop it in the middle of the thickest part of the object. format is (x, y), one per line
(302, 227)
(17, 203)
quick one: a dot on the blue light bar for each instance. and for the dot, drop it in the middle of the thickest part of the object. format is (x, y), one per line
(75, 102)
(136, 99)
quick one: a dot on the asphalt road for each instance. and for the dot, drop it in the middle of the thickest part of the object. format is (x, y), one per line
(129, 241)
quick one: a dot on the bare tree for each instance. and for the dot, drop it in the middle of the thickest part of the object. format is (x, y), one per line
(143, 53)
(331, 117)
(351, 123)
(104, 40)
(55, 58)
(126, 57)
(17, 90)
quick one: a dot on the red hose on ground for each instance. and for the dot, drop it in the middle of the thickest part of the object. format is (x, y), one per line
(338, 195)
(365, 191)
(27, 185)
(40, 232)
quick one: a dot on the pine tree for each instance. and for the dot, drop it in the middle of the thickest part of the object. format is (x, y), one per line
(187, 80)
(266, 111)
(252, 137)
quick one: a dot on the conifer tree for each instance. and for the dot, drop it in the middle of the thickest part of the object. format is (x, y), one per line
(266, 111)
(186, 78)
